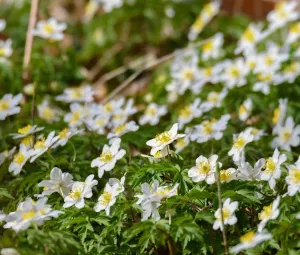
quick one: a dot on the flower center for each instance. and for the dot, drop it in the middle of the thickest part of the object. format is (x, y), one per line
(4, 104)
(40, 144)
(270, 166)
(24, 130)
(248, 237)
(106, 157)
(151, 111)
(207, 47)
(242, 109)
(108, 107)
(76, 193)
(188, 74)
(28, 215)
(249, 35)
(28, 141)
(48, 113)
(295, 29)
(99, 122)
(292, 68)
(239, 143)
(276, 115)
(19, 158)
(75, 116)
(213, 97)
(295, 176)
(269, 60)
(180, 143)
(208, 72)
(120, 129)
(208, 126)
(264, 77)
(164, 137)
(48, 29)
(2, 52)
(106, 198)
(226, 214)
(225, 175)
(234, 72)
(63, 134)
(185, 112)
(203, 167)
(286, 135)
(198, 25)
(266, 213)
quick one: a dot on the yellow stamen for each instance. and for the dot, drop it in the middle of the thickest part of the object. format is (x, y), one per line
(164, 137)
(19, 158)
(266, 212)
(106, 157)
(4, 104)
(28, 215)
(239, 142)
(24, 130)
(248, 237)
(40, 144)
(63, 134)
(203, 167)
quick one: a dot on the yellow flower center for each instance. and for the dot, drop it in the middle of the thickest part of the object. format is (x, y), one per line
(24, 130)
(106, 157)
(286, 135)
(151, 111)
(251, 64)
(188, 74)
(248, 237)
(40, 144)
(185, 112)
(292, 68)
(75, 116)
(2, 52)
(234, 72)
(208, 126)
(264, 77)
(99, 122)
(213, 97)
(242, 109)
(48, 28)
(198, 25)
(28, 215)
(239, 142)
(106, 198)
(295, 29)
(164, 137)
(249, 35)
(266, 212)
(76, 193)
(120, 129)
(295, 175)
(270, 166)
(208, 10)
(108, 107)
(4, 104)
(225, 175)
(19, 158)
(208, 71)
(269, 60)
(226, 214)
(203, 167)
(276, 115)
(63, 134)
(28, 141)
(254, 131)
(180, 143)
(48, 113)
(208, 46)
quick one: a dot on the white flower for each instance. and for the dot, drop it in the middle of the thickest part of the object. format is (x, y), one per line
(120, 116)
(205, 169)
(264, 81)
(214, 100)
(2, 24)
(289, 74)
(19, 160)
(28, 212)
(210, 129)
(152, 114)
(248, 173)
(9, 105)
(29, 89)
(107, 199)
(288, 135)
(151, 198)
(42, 145)
(158, 155)
(212, 48)
(108, 158)
(293, 178)
(123, 129)
(164, 139)
(77, 115)
(50, 29)
(80, 191)
(119, 184)
(26, 131)
(250, 240)
(97, 124)
(283, 13)
(229, 217)
(279, 115)
(9, 251)
(272, 170)
(83, 93)
(5, 50)
(245, 109)
(59, 182)
(6, 155)
(113, 106)
(64, 136)
(240, 141)
(183, 142)
(235, 73)
(188, 112)
(270, 212)
(251, 36)
(257, 133)
(227, 175)
(109, 5)
(48, 112)
(207, 13)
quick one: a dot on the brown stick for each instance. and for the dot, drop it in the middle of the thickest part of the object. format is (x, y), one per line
(148, 67)
(29, 36)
